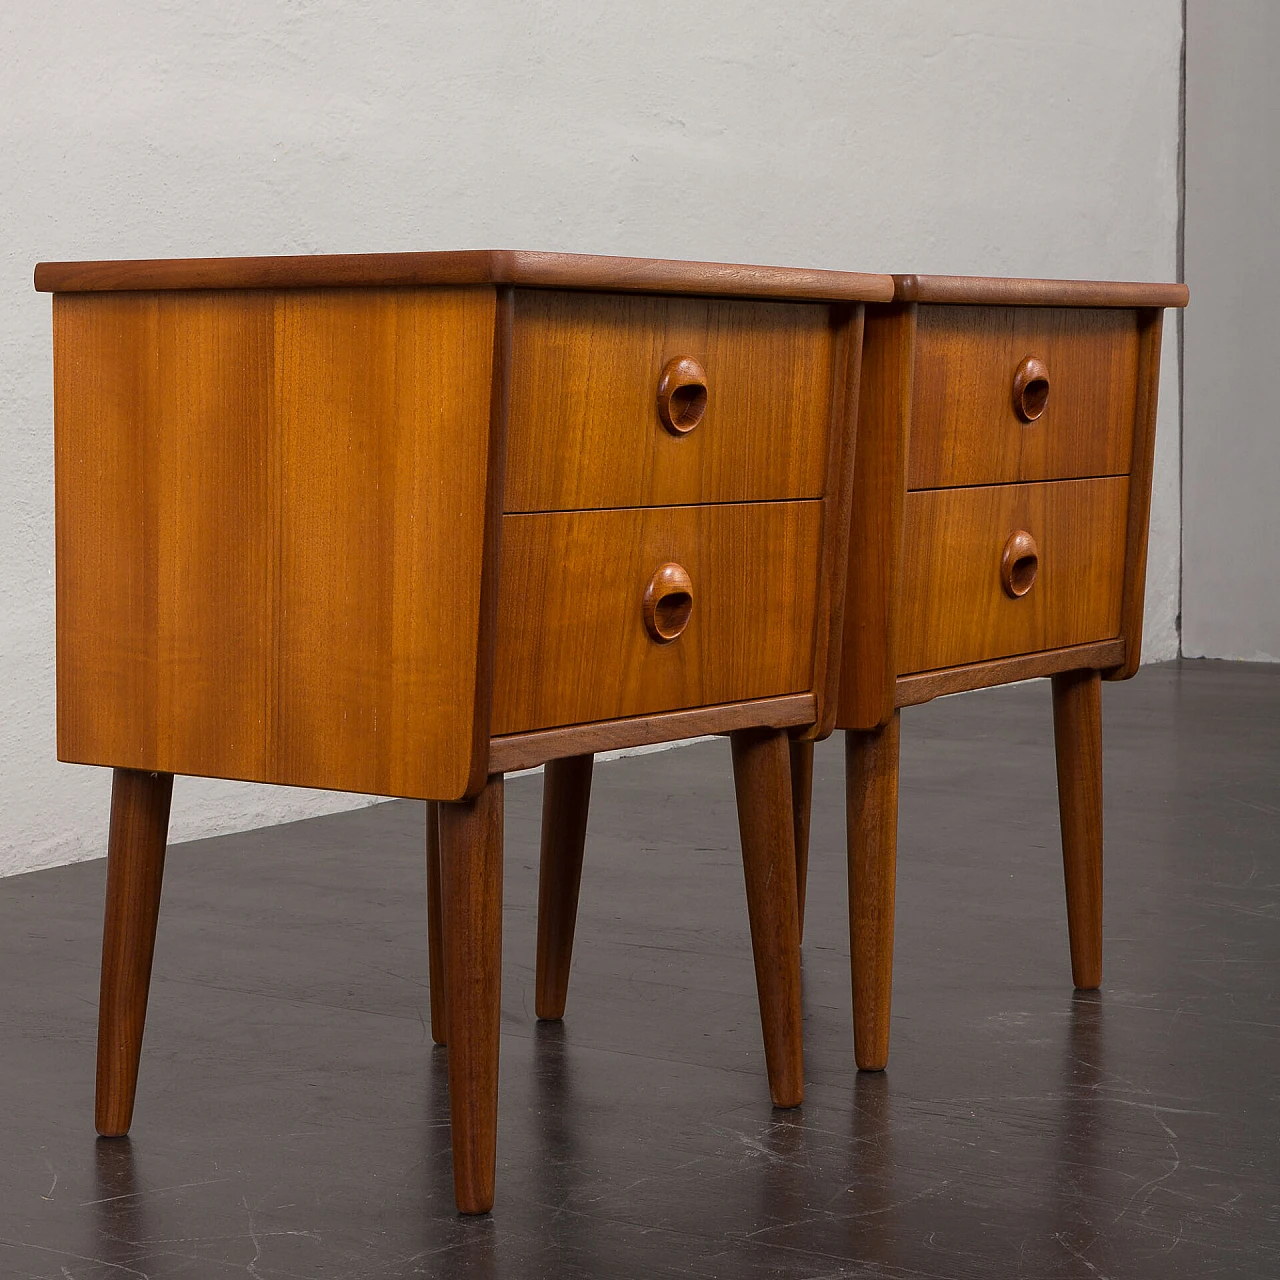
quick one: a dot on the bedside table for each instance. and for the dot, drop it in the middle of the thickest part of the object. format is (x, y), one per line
(401, 523)
(1001, 495)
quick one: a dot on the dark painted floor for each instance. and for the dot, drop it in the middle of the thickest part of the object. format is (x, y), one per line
(292, 1112)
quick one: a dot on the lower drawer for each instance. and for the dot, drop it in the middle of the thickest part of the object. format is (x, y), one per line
(592, 627)
(1009, 569)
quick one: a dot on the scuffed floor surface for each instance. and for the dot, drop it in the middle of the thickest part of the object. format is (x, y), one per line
(292, 1117)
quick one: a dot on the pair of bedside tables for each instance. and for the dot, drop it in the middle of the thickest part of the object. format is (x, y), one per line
(402, 523)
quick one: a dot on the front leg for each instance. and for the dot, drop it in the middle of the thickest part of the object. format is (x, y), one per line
(871, 802)
(762, 780)
(1077, 736)
(471, 906)
(135, 869)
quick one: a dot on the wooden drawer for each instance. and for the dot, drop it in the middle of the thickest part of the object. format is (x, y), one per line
(956, 607)
(573, 644)
(585, 426)
(970, 424)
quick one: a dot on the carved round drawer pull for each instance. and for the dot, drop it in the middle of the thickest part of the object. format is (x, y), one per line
(668, 603)
(682, 395)
(1030, 389)
(1019, 564)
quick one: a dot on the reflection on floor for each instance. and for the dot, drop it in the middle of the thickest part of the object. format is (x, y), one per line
(292, 1116)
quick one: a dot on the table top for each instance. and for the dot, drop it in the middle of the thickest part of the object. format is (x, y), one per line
(592, 272)
(1016, 292)
(470, 266)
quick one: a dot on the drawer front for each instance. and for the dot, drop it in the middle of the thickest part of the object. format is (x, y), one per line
(746, 399)
(1003, 394)
(967, 553)
(585, 616)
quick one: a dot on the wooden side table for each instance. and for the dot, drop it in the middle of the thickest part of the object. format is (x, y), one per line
(1001, 495)
(401, 523)
(1002, 487)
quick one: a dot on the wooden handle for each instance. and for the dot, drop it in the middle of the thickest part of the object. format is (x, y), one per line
(1019, 564)
(682, 395)
(668, 603)
(1030, 389)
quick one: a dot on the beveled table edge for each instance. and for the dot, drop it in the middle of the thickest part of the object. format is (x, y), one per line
(1017, 292)
(465, 267)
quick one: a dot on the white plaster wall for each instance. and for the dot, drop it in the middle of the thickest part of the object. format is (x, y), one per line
(996, 136)
(1231, 538)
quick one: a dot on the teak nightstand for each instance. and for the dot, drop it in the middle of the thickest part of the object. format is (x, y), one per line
(400, 523)
(1002, 487)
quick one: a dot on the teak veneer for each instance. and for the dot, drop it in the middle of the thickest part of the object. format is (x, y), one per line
(1001, 497)
(399, 523)
(998, 532)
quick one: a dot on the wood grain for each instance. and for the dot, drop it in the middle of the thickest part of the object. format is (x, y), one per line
(868, 661)
(965, 430)
(762, 782)
(954, 610)
(566, 798)
(465, 267)
(585, 427)
(527, 750)
(270, 531)
(1077, 736)
(924, 685)
(571, 640)
(471, 883)
(135, 870)
(1151, 324)
(871, 803)
(1014, 292)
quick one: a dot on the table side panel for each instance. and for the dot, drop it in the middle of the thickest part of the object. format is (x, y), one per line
(868, 653)
(125, 370)
(837, 517)
(585, 430)
(572, 646)
(1151, 327)
(270, 516)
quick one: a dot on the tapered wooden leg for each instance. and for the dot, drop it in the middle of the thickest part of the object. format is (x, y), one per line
(801, 804)
(471, 900)
(566, 797)
(871, 803)
(435, 927)
(1077, 736)
(762, 780)
(135, 869)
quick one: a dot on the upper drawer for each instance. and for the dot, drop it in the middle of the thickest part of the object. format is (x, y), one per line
(607, 614)
(1010, 569)
(749, 408)
(1021, 393)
